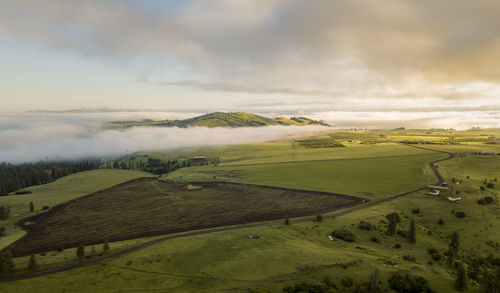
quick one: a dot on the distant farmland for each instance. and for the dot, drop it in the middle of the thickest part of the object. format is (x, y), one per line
(146, 207)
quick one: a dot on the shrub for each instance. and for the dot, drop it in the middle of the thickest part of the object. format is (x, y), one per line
(415, 211)
(375, 239)
(490, 185)
(287, 221)
(45, 208)
(365, 225)
(319, 218)
(403, 233)
(482, 188)
(2, 231)
(343, 234)
(397, 245)
(60, 248)
(460, 215)
(347, 282)
(407, 284)
(409, 257)
(23, 192)
(441, 222)
(485, 200)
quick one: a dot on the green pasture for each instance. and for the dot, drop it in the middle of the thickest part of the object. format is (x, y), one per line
(374, 178)
(230, 261)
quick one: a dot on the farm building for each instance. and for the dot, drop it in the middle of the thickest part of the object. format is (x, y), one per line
(437, 187)
(454, 199)
(198, 159)
(487, 153)
(434, 192)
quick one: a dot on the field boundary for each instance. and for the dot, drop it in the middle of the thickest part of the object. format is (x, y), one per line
(221, 229)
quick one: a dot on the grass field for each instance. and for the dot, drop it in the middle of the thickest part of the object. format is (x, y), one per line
(146, 207)
(374, 178)
(229, 261)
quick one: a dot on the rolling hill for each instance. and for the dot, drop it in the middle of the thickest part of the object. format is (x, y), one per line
(220, 119)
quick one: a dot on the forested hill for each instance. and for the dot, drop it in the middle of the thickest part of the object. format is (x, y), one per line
(18, 176)
(220, 119)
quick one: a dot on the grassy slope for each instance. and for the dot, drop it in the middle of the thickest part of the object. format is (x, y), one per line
(373, 178)
(282, 151)
(61, 190)
(219, 119)
(231, 261)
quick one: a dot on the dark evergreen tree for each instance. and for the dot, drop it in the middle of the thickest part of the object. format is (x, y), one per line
(393, 219)
(453, 248)
(474, 270)
(461, 281)
(6, 262)
(32, 263)
(32, 207)
(4, 213)
(105, 247)
(80, 252)
(412, 237)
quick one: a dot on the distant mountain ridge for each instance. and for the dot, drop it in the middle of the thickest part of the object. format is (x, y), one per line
(222, 119)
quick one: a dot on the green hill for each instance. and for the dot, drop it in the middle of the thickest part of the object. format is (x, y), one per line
(220, 119)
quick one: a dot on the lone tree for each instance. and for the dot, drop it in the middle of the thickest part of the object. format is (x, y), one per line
(474, 270)
(412, 237)
(6, 262)
(393, 219)
(453, 247)
(461, 281)
(373, 284)
(32, 263)
(287, 221)
(105, 247)
(80, 252)
(4, 213)
(32, 207)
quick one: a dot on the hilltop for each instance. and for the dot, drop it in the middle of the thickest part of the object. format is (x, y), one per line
(220, 119)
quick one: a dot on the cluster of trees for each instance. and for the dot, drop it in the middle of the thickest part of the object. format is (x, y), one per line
(154, 166)
(18, 176)
(392, 222)
(397, 282)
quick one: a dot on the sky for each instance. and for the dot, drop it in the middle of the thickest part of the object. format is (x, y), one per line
(255, 55)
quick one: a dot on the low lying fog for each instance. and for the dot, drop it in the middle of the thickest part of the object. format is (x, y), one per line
(65, 136)
(36, 139)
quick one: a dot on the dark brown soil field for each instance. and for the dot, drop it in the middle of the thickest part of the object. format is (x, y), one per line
(147, 207)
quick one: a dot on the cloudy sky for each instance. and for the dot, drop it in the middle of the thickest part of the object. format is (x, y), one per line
(259, 55)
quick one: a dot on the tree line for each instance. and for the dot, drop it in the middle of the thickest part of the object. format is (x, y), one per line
(17, 176)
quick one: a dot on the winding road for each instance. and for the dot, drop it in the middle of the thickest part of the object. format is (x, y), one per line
(221, 229)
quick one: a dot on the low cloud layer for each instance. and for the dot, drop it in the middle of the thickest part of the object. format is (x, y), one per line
(67, 140)
(69, 136)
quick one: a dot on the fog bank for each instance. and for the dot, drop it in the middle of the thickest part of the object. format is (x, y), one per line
(67, 140)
